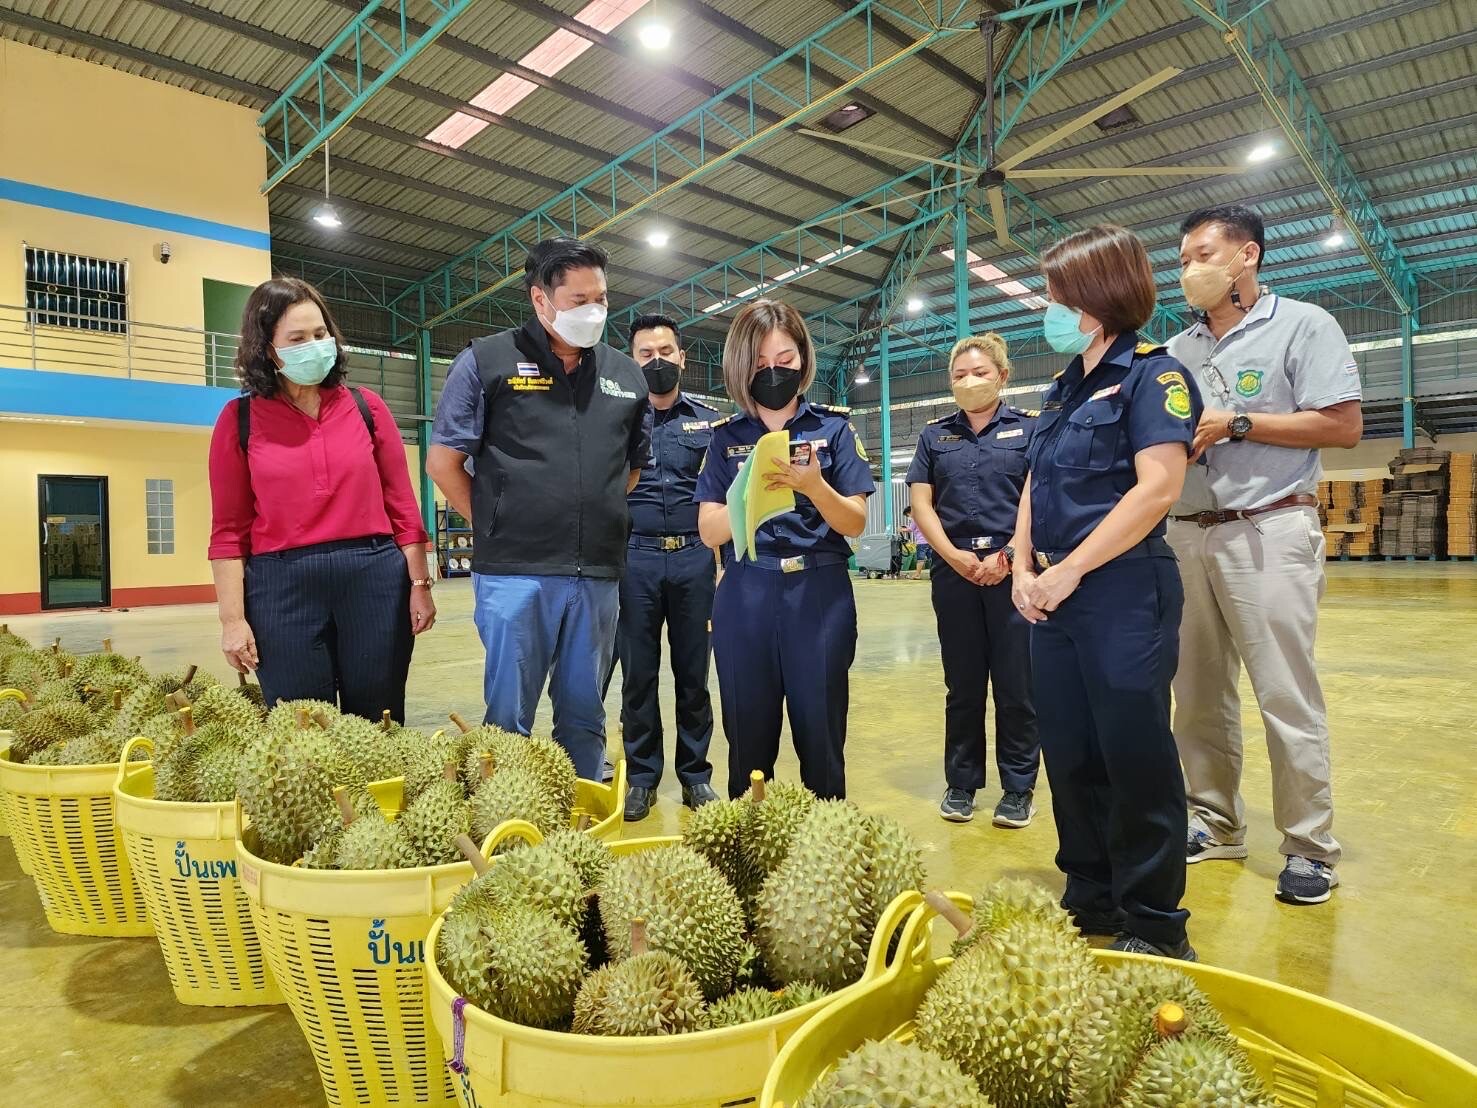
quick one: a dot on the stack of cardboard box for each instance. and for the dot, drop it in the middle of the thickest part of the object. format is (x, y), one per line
(1350, 515)
(1461, 507)
(1413, 522)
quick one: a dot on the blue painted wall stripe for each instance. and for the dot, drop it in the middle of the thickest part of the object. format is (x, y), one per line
(40, 392)
(81, 204)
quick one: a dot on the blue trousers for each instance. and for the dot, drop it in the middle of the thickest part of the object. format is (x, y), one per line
(555, 629)
(1102, 664)
(674, 587)
(332, 622)
(785, 640)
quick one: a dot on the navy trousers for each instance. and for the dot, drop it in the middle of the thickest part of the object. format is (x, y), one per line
(983, 639)
(785, 640)
(675, 588)
(1102, 665)
(332, 622)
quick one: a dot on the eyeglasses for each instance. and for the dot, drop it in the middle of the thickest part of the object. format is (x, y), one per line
(1217, 382)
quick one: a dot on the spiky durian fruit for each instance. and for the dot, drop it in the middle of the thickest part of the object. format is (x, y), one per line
(221, 705)
(743, 1006)
(47, 725)
(751, 968)
(546, 760)
(371, 748)
(897, 1075)
(590, 857)
(1196, 1073)
(251, 692)
(719, 832)
(107, 668)
(798, 994)
(431, 823)
(216, 770)
(96, 748)
(535, 966)
(1002, 903)
(286, 716)
(464, 958)
(424, 758)
(811, 915)
(778, 810)
(896, 867)
(1007, 1013)
(29, 670)
(140, 706)
(286, 786)
(539, 877)
(11, 710)
(513, 794)
(650, 993)
(370, 842)
(689, 909)
(58, 690)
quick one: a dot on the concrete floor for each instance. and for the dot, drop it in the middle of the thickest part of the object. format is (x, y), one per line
(93, 1021)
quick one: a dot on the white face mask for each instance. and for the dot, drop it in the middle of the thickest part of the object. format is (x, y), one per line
(580, 327)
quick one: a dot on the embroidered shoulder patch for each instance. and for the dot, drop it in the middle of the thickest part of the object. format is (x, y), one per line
(1177, 401)
(861, 451)
(1174, 377)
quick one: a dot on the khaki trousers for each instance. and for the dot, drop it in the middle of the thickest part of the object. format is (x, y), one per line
(1252, 589)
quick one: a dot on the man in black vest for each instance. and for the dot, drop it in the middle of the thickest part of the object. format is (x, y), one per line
(554, 422)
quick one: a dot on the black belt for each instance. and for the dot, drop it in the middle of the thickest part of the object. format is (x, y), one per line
(667, 543)
(798, 563)
(1149, 548)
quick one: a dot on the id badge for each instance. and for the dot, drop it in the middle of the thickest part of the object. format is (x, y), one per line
(801, 453)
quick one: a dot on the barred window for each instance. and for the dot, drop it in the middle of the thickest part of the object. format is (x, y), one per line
(70, 290)
(159, 493)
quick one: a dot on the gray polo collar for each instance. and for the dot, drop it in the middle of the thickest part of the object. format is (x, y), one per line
(1264, 308)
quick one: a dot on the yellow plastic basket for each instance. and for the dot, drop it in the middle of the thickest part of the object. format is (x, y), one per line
(514, 1066)
(348, 951)
(184, 858)
(1312, 1053)
(61, 819)
(5, 737)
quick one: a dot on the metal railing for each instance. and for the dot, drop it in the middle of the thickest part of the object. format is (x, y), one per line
(143, 351)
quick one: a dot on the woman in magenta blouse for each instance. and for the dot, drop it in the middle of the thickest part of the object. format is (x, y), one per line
(317, 545)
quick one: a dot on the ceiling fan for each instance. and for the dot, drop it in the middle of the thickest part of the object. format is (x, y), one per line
(996, 171)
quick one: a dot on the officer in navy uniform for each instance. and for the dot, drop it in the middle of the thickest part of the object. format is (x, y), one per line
(784, 618)
(965, 485)
(669, 578)
(1099, 583)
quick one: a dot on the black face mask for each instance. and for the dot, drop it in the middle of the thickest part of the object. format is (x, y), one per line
(661, 376)
(774, 387)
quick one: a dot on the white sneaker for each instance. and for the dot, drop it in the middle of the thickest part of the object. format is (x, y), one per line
(1200, 847)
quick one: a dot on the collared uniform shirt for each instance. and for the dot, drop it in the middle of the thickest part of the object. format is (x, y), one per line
(662, 502)
(1082, 455)
(977, 479)
(843, 463)
(1284, 356)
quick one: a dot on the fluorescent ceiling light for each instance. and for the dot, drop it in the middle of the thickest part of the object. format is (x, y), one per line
(863, 379)
(655, 35)
(915, 304)
(999, 278)
(1335, 240)
(1262, 152)
(657, 238)
(547, 59)
(326, 215)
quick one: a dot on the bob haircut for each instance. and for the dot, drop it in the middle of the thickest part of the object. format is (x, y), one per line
(1103, 271)
(741, 349)
(989, 344)
(264, 309)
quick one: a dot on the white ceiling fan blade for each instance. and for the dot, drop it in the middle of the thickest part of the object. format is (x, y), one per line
(875, 148)
(997, 217)
(1087, 117)
(1140, 171)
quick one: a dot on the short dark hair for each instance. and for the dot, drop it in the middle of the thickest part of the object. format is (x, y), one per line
(550, 260)
(1233, 219)
(264, 309)
(1105, 272)
(651, 321)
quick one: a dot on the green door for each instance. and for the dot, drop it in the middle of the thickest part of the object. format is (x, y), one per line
(224, 303)
(74, 542)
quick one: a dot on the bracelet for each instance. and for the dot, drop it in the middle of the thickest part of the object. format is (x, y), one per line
(428, 582)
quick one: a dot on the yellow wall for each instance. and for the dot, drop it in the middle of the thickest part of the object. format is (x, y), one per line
(1376, 454)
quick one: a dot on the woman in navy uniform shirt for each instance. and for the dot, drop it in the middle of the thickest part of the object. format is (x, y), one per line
(1098, 581)
(784, 619)
(965, 484)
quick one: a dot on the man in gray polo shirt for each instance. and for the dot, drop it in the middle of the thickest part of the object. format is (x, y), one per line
(1279, 383)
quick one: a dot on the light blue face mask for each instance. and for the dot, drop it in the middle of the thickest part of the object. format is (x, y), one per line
(308, 363)
(1062, 327)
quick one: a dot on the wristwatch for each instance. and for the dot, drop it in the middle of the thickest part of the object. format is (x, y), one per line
(428, 582)
(1009, 552)
(1239, 427)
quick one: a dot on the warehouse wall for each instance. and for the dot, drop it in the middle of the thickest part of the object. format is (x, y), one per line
(1376, 453)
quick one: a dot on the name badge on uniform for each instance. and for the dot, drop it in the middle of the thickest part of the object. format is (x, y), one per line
(738, 450)
(947, 438)
(1052, 406)
(528, 377)
(1103, 394)
(695, 425)
(1017, 432)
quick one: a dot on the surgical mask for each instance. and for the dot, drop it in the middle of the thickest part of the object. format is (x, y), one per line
(661, 376)
(774, 387)
(1062, 327)
(975, 394)
(1206, 285)
(580, 327)
(308, 363)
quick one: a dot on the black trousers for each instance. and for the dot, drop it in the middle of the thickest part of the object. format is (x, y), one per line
(983, 639)
(332, 622)
(675, 588)
(1102, 663)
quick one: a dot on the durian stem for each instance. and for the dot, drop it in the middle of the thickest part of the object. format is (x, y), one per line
(950, 911)
(190, 676)
(756, 786)
(461, 723)
(107, 646)
(179, 698)
(345, 806)
(56, 645)
(584, 822)
(240, 678)
(117, 700)
(639, 942)
(187, 718)
(485, 763)
(470, 852)
(385, 721)
(302, 719)
(67, 669)
(322, 720)
(1170, 1020)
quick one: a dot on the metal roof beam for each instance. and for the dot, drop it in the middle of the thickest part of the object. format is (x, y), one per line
(1254, 43)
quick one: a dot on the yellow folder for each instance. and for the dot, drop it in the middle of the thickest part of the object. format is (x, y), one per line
(750, 503)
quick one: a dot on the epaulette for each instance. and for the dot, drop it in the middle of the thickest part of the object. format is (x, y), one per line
(941, 419)
(1151, 348)
(720, 422)
(1033, 413)
(1057, 374)
(832, 409)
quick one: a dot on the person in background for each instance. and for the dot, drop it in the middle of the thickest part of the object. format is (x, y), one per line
(555, 420)
(784, 617)
(1283, 384)
(1097, 580)
(316, 545)
(922, 552)
(965, 481)
(669, 579)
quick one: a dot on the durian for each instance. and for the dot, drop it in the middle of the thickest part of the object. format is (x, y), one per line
(888, 1074)
(48, 725)
(513, 794)
(798, 994)
(535, 966)
(368, 745)
(286, 716)
(539, 877)
(224, 707)
(1196, 1073)
(368, 842)
(743, 1006)
(590, 857)
(430, 825)
(719, 832)
(779, 808)
(650, 993)
(545, 759)
(896, 867)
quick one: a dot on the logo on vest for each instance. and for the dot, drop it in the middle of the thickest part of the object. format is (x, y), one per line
(610, 388)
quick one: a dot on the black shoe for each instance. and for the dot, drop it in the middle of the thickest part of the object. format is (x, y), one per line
(957, 805)
(1091, 922)
(1014, 810)
(607, 772)
(695, 796)
(1132, 944)
(638, 803)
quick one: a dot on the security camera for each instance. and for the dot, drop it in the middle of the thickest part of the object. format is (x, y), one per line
(165, 253)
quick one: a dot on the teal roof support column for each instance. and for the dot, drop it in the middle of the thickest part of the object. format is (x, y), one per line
(961, 271)
(884, 367)
(423, 427)
(1407, 379)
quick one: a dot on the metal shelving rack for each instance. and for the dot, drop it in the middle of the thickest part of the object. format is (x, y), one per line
(453, 542)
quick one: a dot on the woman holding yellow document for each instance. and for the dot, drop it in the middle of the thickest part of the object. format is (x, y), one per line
(784, 620)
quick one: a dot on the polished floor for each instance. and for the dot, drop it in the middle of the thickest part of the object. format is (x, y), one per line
(93, 1021)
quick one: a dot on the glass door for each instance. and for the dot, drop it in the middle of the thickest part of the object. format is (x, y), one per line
(74, 542)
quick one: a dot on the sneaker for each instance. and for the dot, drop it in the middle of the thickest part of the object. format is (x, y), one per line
(1200, 847)
(1091, 922)
(638, 803)
(695, 796)
(1132, 944)
(1014, 810)
(1305, 881)
(957, 805)
(607, 772)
